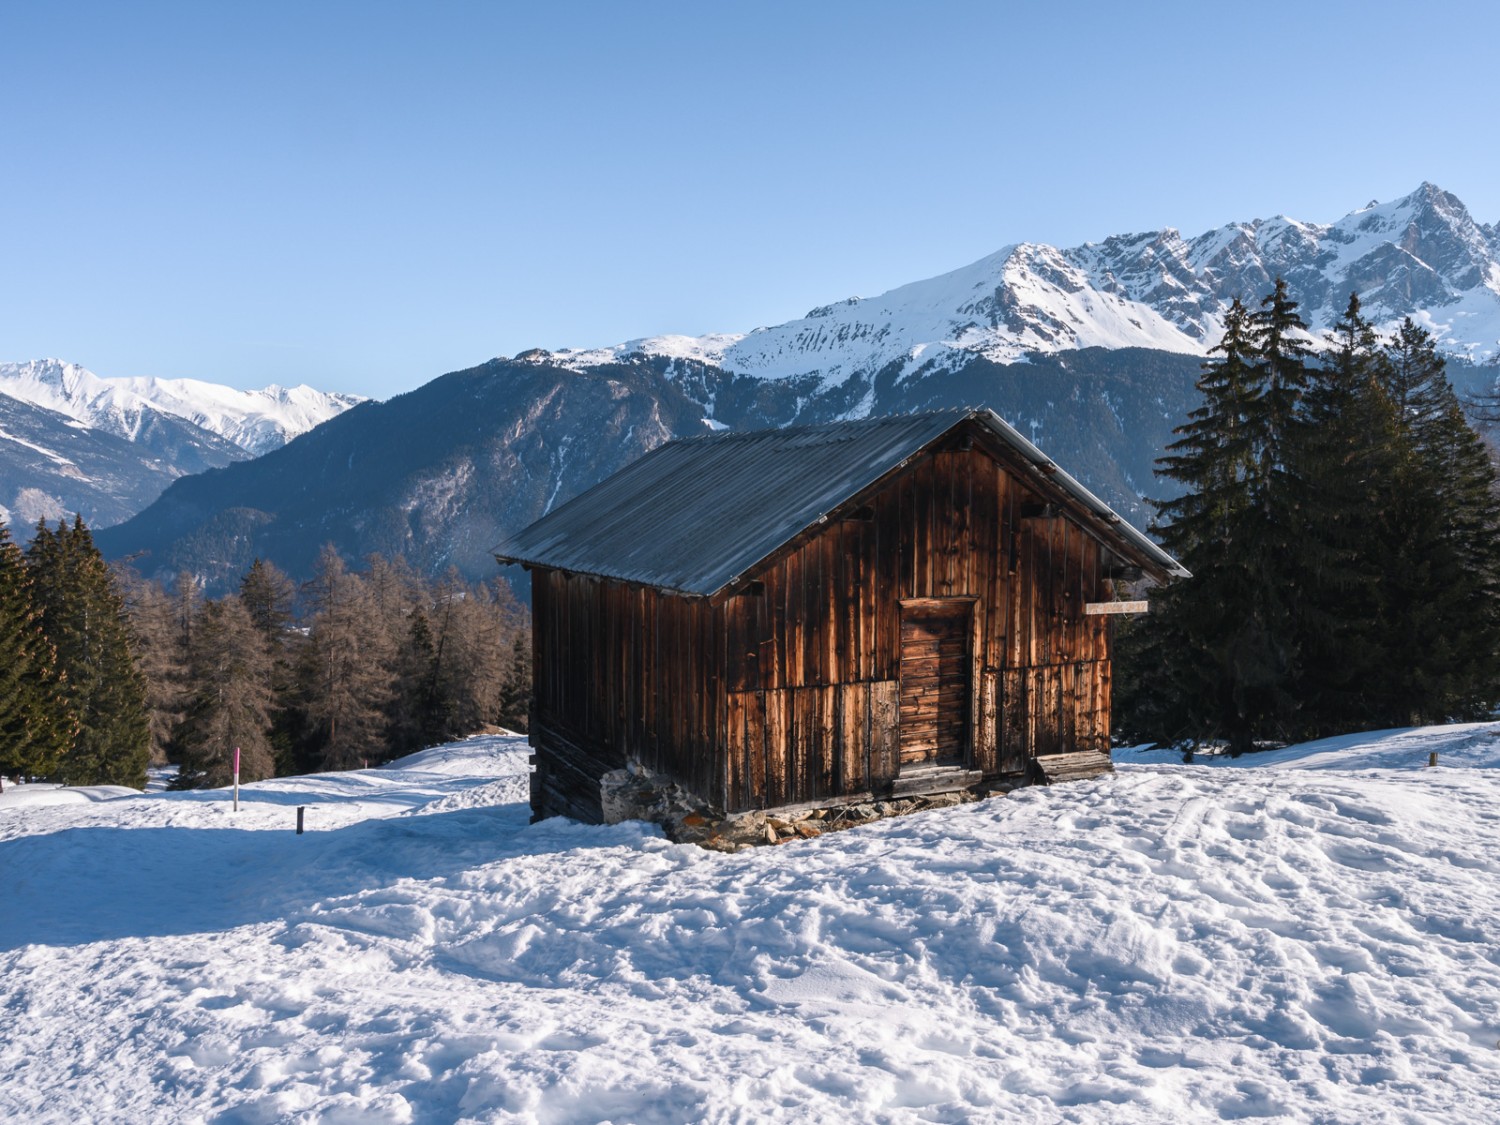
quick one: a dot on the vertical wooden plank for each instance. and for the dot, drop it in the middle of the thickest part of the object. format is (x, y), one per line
(807, 744)
(885, 735)
(828, 740)
(814, 619)
(791, 621)
(803, 780)
(923, 528)
(976, 705)
(703, 756)
(716, 734)
(850, 550)
(624, 670)
(1012, 749)
(987, 758)
(905, 540)
(973, 582)
(1105, 688)
(854, 713)
(778, 754)
(684, 699)
(988, 555)
(835, 603)
(734, 670)
(653, 677)
(1054, 690)
(898, 551)
(938, 525)
(1067, 718)
(734, 752)
(755, 749)
(947, 511)
(773, 670)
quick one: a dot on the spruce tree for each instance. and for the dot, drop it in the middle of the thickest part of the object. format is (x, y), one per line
(83, 616)
(422, 704)
(1440, 577)
(1208, 665)
(36, 724)
(1342, 475)
(1281, 366)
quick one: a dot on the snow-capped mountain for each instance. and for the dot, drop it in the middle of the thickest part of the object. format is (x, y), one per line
(1422, 256)
(71, 441)
(1093, 352)
(256, 421)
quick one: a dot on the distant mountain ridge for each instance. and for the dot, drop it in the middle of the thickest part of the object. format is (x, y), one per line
(1422, 255)
(1093, 353)
(72, 441)
(256, 421)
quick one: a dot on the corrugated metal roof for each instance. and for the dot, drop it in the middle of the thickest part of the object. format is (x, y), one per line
(693, 515)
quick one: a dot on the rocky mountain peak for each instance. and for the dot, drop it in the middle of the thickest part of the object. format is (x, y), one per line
(1420, 255)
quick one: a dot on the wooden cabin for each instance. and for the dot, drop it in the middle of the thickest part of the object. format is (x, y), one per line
(826, 615)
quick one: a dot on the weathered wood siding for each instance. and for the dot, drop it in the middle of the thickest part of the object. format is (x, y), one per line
(622, 672)
(789, 691)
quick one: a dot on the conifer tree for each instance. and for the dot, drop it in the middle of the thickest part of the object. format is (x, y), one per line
(1342, 473)
(161, 654)
(1343, 527)
(83, 615)
(230, 704)
(1281, 365)
(1440, 574)
(1210, 665)
(347, 676)
(422, 704)
(36, 725)
(515, 700)
(268, 596)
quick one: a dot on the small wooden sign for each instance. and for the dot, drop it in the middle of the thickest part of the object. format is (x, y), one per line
(1095, 609)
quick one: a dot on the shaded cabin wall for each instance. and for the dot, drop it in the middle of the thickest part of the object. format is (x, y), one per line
(621, 672)
(789, 692)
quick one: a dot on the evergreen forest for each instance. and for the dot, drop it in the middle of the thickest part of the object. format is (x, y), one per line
(103, 672)
(1341, 521)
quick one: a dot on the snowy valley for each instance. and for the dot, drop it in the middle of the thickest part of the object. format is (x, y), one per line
(1303, 935)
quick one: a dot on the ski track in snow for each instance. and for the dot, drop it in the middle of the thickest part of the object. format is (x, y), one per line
(1170, 943)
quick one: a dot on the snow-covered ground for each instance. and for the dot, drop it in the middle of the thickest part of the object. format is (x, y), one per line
(1309, 935)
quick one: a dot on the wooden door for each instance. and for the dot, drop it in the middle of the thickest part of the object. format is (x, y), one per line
(935, 688)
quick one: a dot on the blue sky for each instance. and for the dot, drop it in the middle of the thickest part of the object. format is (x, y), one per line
(364, 196)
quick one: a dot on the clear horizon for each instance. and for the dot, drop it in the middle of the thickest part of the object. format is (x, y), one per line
(363, 198)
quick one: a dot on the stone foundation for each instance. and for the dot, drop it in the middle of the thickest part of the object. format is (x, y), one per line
(634, 793)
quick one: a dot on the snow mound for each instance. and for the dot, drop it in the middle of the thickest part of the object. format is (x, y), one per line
(1169, 943)
(36, 796)
(1469, 745)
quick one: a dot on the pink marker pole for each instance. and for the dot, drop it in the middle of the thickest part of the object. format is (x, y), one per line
(236, 779)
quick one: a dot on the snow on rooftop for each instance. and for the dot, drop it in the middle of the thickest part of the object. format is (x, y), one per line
(1309, 941)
